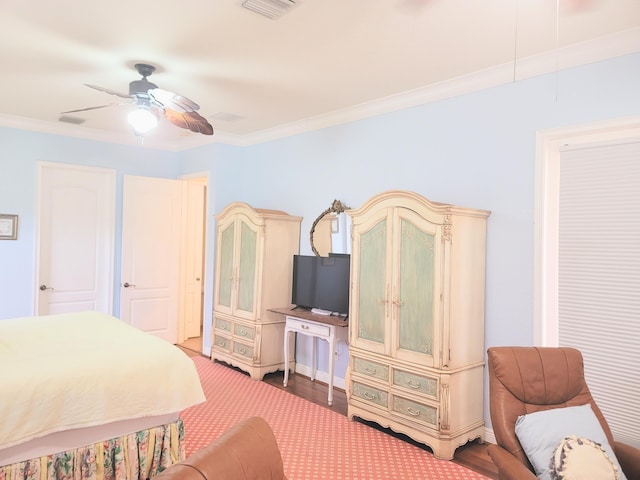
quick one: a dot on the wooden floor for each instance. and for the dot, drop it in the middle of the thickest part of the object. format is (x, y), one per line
(473, 455)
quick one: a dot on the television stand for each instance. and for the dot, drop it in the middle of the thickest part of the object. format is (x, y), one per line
(329, 328)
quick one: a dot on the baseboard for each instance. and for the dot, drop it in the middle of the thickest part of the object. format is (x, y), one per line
(320, 376)
(489, 437)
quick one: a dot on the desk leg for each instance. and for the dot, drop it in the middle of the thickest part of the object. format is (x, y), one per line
(286, 357)
(314, 367)
(332, 354)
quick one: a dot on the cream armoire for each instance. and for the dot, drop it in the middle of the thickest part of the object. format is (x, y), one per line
(416, 319)
(253, 272)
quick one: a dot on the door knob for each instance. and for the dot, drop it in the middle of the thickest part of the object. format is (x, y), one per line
(43, 287)
(127, 285)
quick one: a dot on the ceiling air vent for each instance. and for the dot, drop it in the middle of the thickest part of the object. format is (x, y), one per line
(270, 8)
(70, 119)
(226, 117)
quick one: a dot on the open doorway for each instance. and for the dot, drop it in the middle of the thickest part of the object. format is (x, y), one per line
(192, 265)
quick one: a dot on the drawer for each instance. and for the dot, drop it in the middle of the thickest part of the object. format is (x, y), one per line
(417, 412)
(370, 394)
(371, 369)
(243, 331)
(308, 327)
(223, 325)
(243, 350)
(416, 383)
(222, 343)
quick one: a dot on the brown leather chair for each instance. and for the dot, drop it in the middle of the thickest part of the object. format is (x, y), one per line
(529, 379)
(246, 451)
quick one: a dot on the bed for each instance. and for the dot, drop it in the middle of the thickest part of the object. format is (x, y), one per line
(84, 395)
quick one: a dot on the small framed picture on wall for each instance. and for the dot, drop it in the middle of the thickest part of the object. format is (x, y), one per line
(8, 227)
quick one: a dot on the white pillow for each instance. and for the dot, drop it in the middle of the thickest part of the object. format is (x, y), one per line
(540, 433)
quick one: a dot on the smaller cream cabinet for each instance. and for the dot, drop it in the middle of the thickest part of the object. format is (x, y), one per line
(416, 319)
(253, 272)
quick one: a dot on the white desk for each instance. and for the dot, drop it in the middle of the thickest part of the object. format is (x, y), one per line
(329, 328)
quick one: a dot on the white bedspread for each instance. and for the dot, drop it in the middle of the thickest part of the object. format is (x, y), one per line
(83, 369)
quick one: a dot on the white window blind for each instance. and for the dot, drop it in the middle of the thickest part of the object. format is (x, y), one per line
(599, 275)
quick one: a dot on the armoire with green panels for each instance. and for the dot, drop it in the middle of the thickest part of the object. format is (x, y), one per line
(416, 319)
(253, 272)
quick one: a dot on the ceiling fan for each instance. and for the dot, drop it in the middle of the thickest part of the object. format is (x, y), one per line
(153, 102)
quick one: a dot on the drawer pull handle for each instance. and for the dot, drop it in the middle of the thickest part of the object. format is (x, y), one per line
(304, 327)
(369, 396)
(369, 371)
(411, 411)
(243, 332)
(412, 384)
(243, 351)
(221, 343)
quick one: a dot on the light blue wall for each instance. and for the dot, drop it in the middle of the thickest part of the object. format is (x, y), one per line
(20, 151)
(475, 150)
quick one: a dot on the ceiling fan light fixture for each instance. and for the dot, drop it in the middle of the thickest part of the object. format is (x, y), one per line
(151, 103)
(142, 120)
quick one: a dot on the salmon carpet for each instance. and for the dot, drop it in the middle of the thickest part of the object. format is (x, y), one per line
(316, 443)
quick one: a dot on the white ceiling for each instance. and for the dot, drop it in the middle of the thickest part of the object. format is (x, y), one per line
(321, 63)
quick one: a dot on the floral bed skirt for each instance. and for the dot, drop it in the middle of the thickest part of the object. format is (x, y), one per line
(137, 456)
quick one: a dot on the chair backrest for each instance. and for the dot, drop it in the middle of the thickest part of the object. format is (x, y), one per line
(530, 379)
(246, 451)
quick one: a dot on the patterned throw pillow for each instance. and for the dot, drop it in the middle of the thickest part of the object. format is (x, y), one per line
(578, 458)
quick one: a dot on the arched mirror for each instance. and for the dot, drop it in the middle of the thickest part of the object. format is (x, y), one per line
(330, 231)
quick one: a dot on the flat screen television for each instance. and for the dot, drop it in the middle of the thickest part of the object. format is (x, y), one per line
(321, 283)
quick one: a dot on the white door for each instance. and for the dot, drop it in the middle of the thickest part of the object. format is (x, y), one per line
(75, 240)
(193, 238)
(151, 225)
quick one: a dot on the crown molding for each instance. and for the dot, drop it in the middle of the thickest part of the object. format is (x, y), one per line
(615, 45)
(610, 46)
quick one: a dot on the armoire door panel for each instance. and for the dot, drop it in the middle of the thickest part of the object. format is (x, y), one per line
(415, 294)
(247, 268)
(372, 283)
(225, 275)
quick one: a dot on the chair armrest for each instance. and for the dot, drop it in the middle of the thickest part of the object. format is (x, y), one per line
(629, 458)
(509, 467)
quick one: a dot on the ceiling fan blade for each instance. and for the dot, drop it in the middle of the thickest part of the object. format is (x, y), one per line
(173, 101)
(203, 125)
(91, 108)
(189, 120)
(109, 91)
